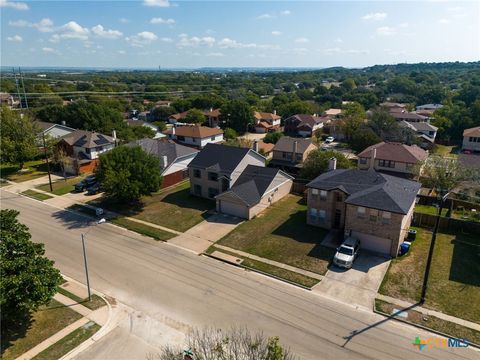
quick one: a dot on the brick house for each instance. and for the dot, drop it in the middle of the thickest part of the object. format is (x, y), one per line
(194, 135)
(304, 125)
(291, 152)
(373, 207)
(266, 122)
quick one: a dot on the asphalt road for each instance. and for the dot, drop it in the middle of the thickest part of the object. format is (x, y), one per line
(180, 289)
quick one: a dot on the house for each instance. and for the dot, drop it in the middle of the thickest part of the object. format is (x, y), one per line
(290, 153)
(195, 135)
(179, 117)
(421, 128)
(304, 125)
(256, 188)
(8, 100)
(51, 130)
(266, 122)
(370, 206)
(408, 116)
(333, 113)
(158, 133)
(174, 158)
(266, 149)
(391, 106)
(213, 117)
(429, 107)
(84, 148)
(390, 157)
(471, 139)
(216, 168)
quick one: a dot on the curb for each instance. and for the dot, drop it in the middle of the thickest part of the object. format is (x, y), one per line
(477, 346)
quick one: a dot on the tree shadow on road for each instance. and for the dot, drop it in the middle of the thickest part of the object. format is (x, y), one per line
(73, 220)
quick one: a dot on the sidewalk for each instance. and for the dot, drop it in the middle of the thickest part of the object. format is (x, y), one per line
(271, 262)
(405, 304)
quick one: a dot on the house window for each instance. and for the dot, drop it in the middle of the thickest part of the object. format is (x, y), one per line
(317, 215)
(361, 212)
(363, 161)
(181, 138)
(197, 190)
(386, 163)
(321, 216)
(212, 192)
(194, 140)
(386, 217)
(315, 192)
(287, 155)
(373, 215)
(212, 176)
(100, 148)
(323, 195)
(212, 138)
(87, 151)
(197, 173)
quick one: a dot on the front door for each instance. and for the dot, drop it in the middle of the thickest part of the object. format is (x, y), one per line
(337, 219)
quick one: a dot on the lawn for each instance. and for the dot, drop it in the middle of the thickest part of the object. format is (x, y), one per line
(31, 170)
(18, 338)
(95, 303)
(456, 214)
(61, 187)
(281, 234)
(444, 150)
(143, 229)
(454, 283)
(36, 195)
(174, 208)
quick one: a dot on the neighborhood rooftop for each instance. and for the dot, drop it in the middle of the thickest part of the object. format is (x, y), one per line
(395, 152)
(87, 139)
(286, 144)
(194, 131)
(162, 148)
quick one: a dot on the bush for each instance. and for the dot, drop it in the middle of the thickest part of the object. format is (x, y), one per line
(272, 138)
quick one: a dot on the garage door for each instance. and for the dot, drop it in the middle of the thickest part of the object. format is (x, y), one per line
(373, 243)
(233, 209)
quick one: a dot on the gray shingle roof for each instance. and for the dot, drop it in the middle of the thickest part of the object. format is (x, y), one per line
(370, 189)
(87, 139)
(285, 143)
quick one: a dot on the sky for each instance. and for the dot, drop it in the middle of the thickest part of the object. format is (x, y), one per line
(179, 34)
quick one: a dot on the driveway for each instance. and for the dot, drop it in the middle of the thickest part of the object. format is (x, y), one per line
(358, 285)
(201, 236)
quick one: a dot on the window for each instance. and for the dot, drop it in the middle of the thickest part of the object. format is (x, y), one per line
(197, 173)
(100, 148)
(194, 140)
(212, 176)
(322, 215)
(474, 139)
(363, 161)
(313, 214)
(181, 138)
(373, 215)
(386, 163)
(287, 155)
(360, 212)
(317, 215)
(315, 192)
(87, 150)
(212, 192)
(197, 190)
(386, 217)
(323, 195)
(212, 138)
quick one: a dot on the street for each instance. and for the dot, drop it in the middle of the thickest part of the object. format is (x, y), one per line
(179, 289)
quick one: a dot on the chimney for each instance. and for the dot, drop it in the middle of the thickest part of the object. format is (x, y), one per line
(164, 161)
(255, 145)
(274, 112)
(372, 159)
(332, 163)
(211, 109)
(63, 122)
(173, 130)
(295, 150)
(114, 134)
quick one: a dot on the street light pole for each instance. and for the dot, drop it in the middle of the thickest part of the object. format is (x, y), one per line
(86, 267)
(430, 251)
(48, 164)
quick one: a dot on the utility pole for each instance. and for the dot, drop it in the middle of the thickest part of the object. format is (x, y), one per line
(18, 87)
(86, 268)
(48, 163)
(23, 86)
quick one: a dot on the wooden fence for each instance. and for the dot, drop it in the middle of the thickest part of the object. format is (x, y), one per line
(446, 224)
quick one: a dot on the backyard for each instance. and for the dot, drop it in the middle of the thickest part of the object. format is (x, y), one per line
(31, 170)
(465, 214)
(281, 234)
(454, 283)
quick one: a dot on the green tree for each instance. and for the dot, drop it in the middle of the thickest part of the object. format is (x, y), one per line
(195, 116)
(317, 163)
(353, 118)
(127, 173)
(363, 138)
(162, 113)
(19, 137)
(236, 114)
(272, 138)
(295, 107)
(229, 133)
(28, 279)
(161, 125)
(384, 125)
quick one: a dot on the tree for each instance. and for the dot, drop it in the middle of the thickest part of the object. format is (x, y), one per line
(317, 163)
(161, 125)
(126, 173)
(229, 133)
(363, 138)
(236, 343)
(195, 116)
(142, 132)
(236, 114)
(19, 137)
(295, 107)
(28, 279)
(353, 117)
(161, 113)
(272, 138)
(385, 126)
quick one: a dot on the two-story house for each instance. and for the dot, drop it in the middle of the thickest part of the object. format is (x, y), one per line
(394, 158)
(194, 135)
(304, 125)
(290, 153)
(373, 207)
(471, 139)
(266, 122)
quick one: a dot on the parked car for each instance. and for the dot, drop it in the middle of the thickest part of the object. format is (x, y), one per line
(94, 189)
(347, 253)
(85, 183)
(329, 139)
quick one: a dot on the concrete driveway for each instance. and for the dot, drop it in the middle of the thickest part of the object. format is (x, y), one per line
(201, 236)
(358, 285)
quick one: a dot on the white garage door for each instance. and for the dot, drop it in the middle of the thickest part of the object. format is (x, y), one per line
(373, 243)
(233, 209)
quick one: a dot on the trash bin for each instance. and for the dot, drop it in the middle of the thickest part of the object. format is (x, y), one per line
(99, 211)
(412, 235)
(404, 247)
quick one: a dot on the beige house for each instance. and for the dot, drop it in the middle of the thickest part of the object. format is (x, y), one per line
(266, 122)
(373, 207)
(471, 139)
(291, 152)
(194, 135)
(395, 158)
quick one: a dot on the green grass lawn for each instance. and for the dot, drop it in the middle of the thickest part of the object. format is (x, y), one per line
(32, 170)
(62, 187)
(444, 150)
(36, 195)
(428, 209)
(454, 283)
(466, 214)
(18, 338)
(69, 342)
(95, 303)
(281, 233)
(143, 229)
(174, 208)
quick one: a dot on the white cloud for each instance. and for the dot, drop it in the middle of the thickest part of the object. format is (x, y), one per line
(273, 15)
(159, 20)
(13, 5)
(379, 16)
(124, 20)
(227, 43)
(121, 52)
(195, 41)
(49, 50)
(44, 25)
(337, 50)
(285, 12)
(276, 33)
(157, 3)
(70, 30)
(142, 38)
(404, 25)
(386, 31)
(100, 31)
(338, 40)
(15, 38)
(265, 16)
(166, 39)
(444, 21)
(301, 40)
(215, 54)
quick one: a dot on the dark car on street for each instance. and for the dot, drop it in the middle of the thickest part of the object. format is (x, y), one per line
(94, 189)
(85, 183)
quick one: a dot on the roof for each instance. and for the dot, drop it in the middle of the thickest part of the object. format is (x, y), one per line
(221, 158)
(396, 152)
(161, 148)
(308, 120)
(393, 104)
(333, 111)
(44, 126)
(285, 143)
(212, 113)
(265, 116)
(420, 126)
(370, 189)
(475, 131)
(429, 107)
(179, 116)
(407, 115)
(266, 147)
(87, 139)
(195, 131)
(253, 183)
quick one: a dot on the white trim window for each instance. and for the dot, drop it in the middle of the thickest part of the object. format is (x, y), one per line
(323, 195)
(322, 216)
(386, 216)
(313, 213)
(361, 211)
(373, 215)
